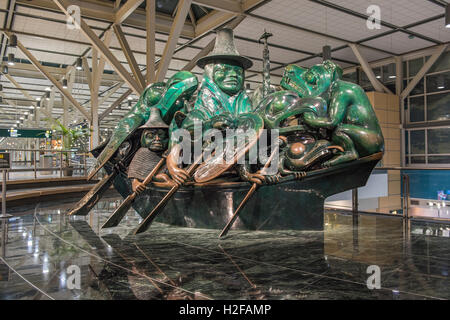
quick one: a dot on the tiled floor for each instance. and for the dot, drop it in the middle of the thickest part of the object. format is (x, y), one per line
(168, 262)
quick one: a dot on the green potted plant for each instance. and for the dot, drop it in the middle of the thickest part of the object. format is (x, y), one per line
(70, 137)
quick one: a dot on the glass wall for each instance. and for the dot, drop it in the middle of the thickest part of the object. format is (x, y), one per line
(427, 111)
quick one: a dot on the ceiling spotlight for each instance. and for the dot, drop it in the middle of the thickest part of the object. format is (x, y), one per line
(391, 72)
(21, 118)
(441, 82)
(130, 98)
(447, 16)
(64, 83)
(38, 99)
(48, 89)
(11, 59)
(18, 121)
(5, 70)
(79, 64)
(13, 41)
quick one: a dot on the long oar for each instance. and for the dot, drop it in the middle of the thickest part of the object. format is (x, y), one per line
(160, 206)
(83, 206)
(120, 212)
(247, 196)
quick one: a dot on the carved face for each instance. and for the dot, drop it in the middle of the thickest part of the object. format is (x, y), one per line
(155, 139)
(229, 78)
(312, 82)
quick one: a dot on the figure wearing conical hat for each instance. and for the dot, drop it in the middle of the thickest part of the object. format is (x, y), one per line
(154, 141)
(222, 91)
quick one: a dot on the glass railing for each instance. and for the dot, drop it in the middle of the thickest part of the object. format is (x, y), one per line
(408, 192)
(38, 163)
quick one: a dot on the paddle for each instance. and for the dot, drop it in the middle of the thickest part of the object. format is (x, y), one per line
(120, 212)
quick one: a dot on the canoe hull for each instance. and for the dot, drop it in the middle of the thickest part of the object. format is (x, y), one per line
(289, 205)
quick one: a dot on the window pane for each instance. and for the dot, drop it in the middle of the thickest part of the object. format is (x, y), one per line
(350, 77)
(417, 141)
(443, 63)
(414, 66)
(438, 82)
(416, 109)
(418, 89)
(389, 73)
(364, 80)
(439, 159)
(417, 159)
(438, 140)
(406, 143)
(438, 107)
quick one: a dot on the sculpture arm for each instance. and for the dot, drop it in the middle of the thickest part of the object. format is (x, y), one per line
(336, 112)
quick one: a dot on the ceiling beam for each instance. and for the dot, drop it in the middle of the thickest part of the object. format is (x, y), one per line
(127, 9)
(231, 6)
(105, 11)
(378, 86)
(8, 24)
(101, 47)
(150, 39)
(114, 105)
(50, 77)
(183, 8)
(129, 55)
(412, 84)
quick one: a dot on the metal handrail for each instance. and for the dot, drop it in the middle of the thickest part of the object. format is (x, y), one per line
(79, 165)
(411, 168)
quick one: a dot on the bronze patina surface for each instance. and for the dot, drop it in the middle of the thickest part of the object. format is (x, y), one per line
(329, 141)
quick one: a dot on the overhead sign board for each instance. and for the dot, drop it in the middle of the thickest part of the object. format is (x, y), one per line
(25, 133)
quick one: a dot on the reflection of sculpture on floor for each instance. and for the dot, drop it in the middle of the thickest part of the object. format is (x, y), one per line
(329, 141)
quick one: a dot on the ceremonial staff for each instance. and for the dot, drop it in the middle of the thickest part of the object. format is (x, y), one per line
(266, 63)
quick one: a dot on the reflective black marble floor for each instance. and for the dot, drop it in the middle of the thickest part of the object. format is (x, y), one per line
(169, 262)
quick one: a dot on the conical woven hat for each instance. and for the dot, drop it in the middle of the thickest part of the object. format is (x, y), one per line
(225, 50)
(154, 121)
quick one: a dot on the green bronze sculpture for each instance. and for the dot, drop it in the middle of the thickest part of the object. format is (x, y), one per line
(325, 139)
(349, 114)
(154, 141)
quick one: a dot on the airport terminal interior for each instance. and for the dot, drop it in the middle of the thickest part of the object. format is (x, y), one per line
(347, 103)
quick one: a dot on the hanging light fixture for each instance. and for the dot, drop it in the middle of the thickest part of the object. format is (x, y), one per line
(64, 83)
(13, 41)
(11, 59)
(391, 69)
(1, 87)
(79, 65)
(326, 53)
(441, 82)
(1, 99)
(47, 96)
(5, 70)
(447, 16)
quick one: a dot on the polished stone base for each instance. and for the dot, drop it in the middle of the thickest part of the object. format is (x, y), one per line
(170, 262)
